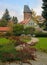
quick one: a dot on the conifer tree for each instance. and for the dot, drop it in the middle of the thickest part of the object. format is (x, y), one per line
(6, 15)
(44, 12)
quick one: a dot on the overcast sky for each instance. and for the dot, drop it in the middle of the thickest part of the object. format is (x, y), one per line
(15, 7)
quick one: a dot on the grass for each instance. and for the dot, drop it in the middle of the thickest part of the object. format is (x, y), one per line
(6, 45)
(7, 50)
(42, 44)
(4, 41)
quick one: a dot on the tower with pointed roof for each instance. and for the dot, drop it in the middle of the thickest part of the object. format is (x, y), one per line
(27, 12)
(28, 21)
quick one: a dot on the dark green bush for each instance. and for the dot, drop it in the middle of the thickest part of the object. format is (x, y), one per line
(29, 30)
(18, 29)
(41, 34)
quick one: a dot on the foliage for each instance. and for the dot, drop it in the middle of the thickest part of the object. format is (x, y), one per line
(33, 13)
(6, 15)
(25, 38)
(8, 34)
(15, 20)
(18, 29)
(7, 50)
(44, 12)
(9, 53)
(3, 23)
(4, 41)
(5, 18)
(29, 30)
(40, 34)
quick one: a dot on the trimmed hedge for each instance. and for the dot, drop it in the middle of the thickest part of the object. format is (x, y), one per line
(41, 34)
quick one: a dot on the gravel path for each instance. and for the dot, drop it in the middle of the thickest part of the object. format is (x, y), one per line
(41, 59)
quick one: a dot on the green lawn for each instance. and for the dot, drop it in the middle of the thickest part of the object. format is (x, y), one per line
(42, 44)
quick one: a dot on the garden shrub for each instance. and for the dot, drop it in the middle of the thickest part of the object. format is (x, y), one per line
(41, 34)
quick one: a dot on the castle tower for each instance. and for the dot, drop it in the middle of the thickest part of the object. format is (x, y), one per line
(27, 12)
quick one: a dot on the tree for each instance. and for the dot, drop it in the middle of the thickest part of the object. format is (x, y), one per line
(33, 13)
(3, 23)
(18, 29)
(14, 19)
(6, 15)
(44, 12)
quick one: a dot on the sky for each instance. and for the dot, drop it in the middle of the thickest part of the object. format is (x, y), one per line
(16, 7)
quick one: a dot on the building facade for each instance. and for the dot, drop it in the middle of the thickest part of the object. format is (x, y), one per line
(28, 19)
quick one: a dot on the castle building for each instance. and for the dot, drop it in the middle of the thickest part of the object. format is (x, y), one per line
(28, 19)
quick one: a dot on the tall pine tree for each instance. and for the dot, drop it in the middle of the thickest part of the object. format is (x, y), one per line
(44, 12)
(6, 15)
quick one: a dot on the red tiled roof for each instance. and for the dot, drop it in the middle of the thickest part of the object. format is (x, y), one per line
(4, 29)
(25, 21)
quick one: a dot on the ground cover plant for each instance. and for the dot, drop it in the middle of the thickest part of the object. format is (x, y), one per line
(9, 53)
(25, 38)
